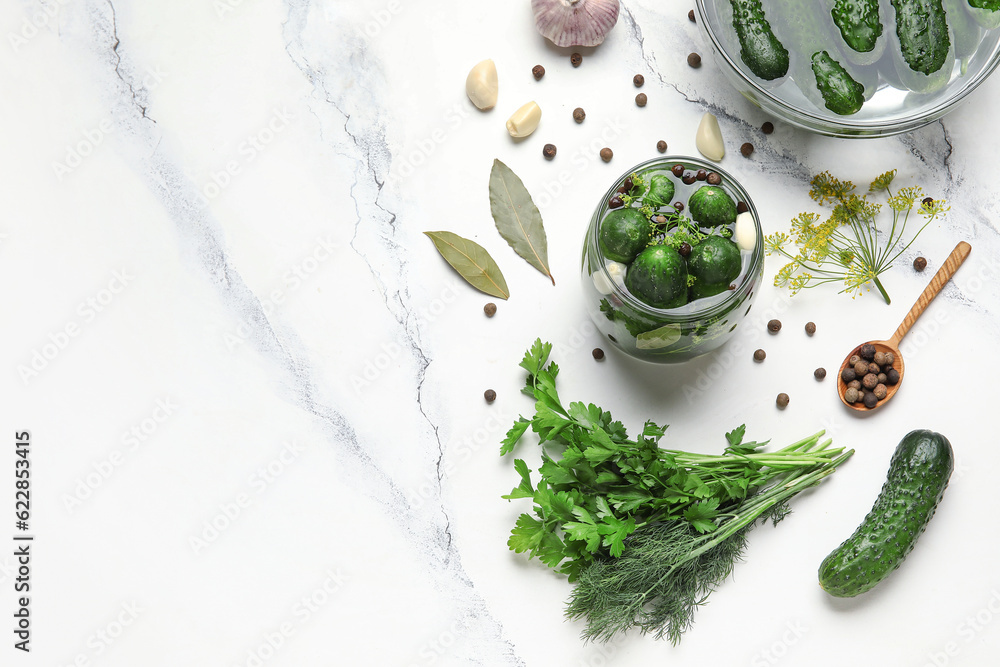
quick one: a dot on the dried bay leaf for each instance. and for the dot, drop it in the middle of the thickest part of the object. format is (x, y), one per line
(517, 218)
(472, 263)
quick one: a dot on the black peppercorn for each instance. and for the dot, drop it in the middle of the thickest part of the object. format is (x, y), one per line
(891, 377)
(854, 359)
(628, 184)
(490, 309)
(606, 154)
(661, 146)
(759, 355)
(767, 127)
(746, 149)
(579, 114)
(920, 264)
(882, 377)
(598, 353)
(871, 400)
(927, 201)
(741, 207)
(616, 202)
(677, 170)
(874, 368)
(688, 178)
(869, 381)
(549, 151)
(867, 352)
(861, 368)
(490, 395)
(638, 80)
(782, 400)
(848, 375)
(880, 391)
(538, 71)
(856, 384)
(819, 373)
(774, 326)
(640, 100)
(684, 249)
(575, 59)
(694, 60)
(879, 358)
(713, 178)
(810, 328)
(691, 15)
(852, 395)
(701, 175)
(679, 206)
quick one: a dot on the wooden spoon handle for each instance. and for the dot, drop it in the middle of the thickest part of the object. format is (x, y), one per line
(943, 275)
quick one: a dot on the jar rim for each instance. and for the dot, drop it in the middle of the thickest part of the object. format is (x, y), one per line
(678, 314)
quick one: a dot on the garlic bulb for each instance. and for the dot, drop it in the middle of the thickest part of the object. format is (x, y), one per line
(575, 22)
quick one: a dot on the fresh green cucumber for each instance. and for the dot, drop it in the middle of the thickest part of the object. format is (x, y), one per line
(841, 94)
(860, 25)
(759, 48)
(922, 29)
(986, 12)
(967, 33)
(918, 475)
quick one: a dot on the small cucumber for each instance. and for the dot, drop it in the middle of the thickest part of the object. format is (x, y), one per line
(860, 24)
(759, 48)
(918, 475)
(922, 30)
(841, 93)
(966, 32)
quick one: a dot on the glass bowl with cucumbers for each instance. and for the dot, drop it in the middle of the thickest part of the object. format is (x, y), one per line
(672, 259)
(854, 68)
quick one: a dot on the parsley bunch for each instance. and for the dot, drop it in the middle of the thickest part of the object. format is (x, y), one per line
(848, 246)
(645, 532)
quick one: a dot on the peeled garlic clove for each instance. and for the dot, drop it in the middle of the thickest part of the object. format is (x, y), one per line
(708, 140)
(524, 121)
(746, 231)
(575, 22)
(601, 281)
(482, 85)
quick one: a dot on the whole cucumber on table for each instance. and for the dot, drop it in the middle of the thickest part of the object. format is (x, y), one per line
(859, 23)
(759, 48)
(918, 475)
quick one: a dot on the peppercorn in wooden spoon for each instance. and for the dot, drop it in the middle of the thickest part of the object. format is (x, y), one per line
(865, 384)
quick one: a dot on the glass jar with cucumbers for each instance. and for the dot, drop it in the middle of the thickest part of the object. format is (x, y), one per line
(672, 259)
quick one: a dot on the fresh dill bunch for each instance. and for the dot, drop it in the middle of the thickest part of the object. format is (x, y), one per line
(848, 246)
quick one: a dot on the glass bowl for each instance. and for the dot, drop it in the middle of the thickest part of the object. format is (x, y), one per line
(668, 335)
(893, 103)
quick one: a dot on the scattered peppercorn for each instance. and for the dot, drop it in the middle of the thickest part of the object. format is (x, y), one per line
(848, 375)
(869, 381)
(606, 154)
(767, 127)
(598, 353)
(774, 326)
(927, 201)
(694, 60)
(920, 264)
(490, 395)
(678, 206)
(810, 328)
(616, 202)
(691, 15)
(819, 373)
(638, 80)
(677, 170)
(782, 400)
(579, 114)
(746, 149)
(684, 249)
(490, 309)
(575, 59)
(852, 395)
(549, 151)
(871, 400)
(661, 146)
(741, 207)
(867, 352)
(538, 71)
(713, 178)
(891, 377)
(759, 355)
(701, 175)
(640, 100)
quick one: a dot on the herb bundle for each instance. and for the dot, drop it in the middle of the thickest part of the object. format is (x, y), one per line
(848, 247)
(645, 533)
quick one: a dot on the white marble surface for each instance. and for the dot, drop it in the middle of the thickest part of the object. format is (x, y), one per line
(212, 242)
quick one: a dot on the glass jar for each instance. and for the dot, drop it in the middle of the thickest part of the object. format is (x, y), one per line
(668, 335)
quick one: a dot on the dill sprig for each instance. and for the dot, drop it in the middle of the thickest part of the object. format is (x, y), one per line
(848, 246)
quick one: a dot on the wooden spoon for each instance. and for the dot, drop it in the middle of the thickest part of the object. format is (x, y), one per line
(943, 275)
